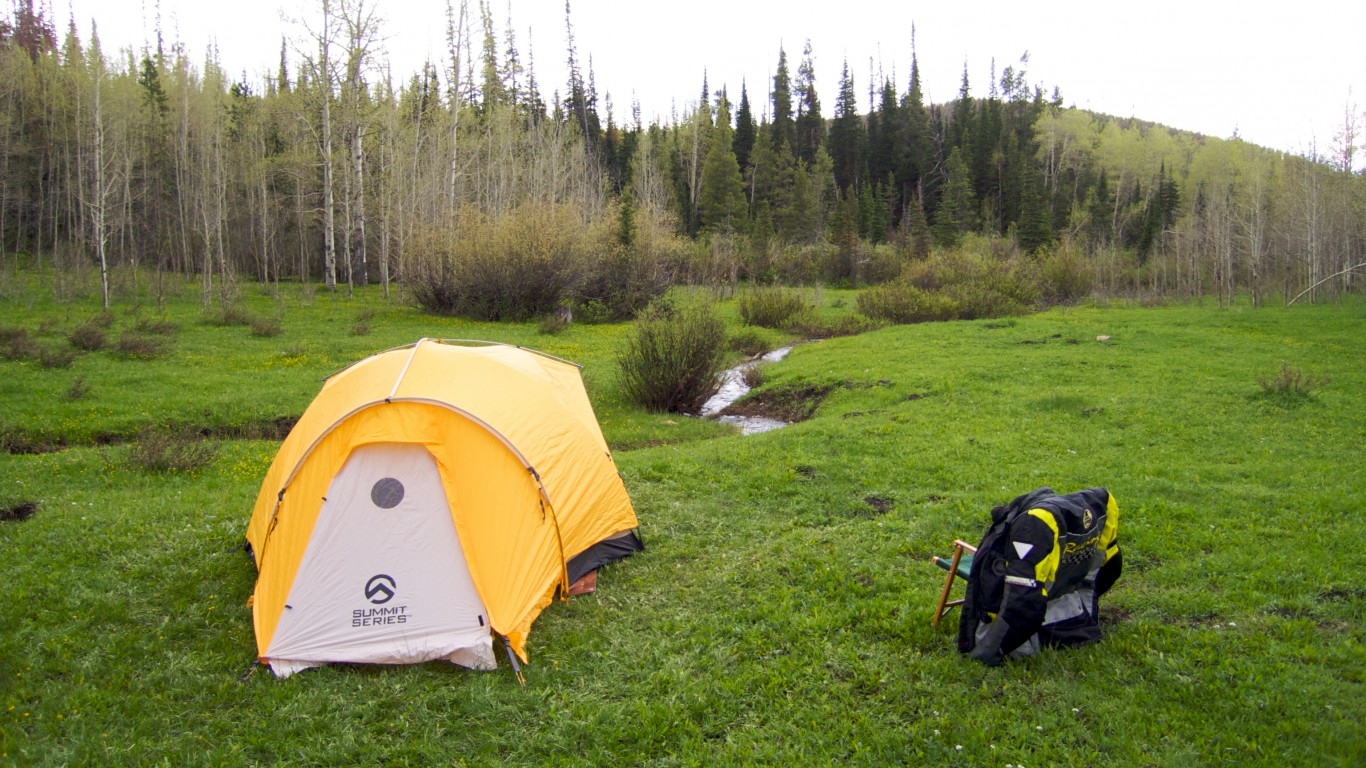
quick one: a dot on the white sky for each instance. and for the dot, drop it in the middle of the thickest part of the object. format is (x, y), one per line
(1281, 78)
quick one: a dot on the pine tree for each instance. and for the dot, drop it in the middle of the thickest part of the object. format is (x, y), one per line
(957, 213)
(1035, 229)
(810, 126)
(847, 137)
(917, 158)
(492, 93)
(783, 127)
(721, 203)
(745, 130)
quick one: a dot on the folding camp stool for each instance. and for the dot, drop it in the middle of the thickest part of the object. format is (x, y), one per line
(960, 565)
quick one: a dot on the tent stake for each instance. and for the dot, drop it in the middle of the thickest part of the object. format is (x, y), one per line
(512, 657)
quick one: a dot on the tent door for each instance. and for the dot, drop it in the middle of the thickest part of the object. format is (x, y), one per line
(384, 578)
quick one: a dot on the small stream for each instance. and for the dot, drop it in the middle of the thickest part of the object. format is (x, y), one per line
(733, 387)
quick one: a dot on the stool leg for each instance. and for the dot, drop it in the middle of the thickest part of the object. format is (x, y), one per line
(948, 584)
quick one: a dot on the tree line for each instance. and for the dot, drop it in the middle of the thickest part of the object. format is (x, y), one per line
(336, 171)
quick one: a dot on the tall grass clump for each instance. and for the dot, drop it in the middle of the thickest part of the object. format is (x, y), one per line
(160, 449)
(772, 306)
(674, 361)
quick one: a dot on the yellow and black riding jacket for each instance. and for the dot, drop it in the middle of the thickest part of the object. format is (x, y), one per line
(1038, 574)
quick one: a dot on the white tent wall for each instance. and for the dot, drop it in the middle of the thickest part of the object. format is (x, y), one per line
(384, 577)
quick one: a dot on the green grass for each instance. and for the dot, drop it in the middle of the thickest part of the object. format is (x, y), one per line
(777, 616)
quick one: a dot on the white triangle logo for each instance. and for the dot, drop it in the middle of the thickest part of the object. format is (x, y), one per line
(1022, 548)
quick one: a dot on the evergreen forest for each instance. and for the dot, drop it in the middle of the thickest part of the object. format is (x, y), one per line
(472, 188)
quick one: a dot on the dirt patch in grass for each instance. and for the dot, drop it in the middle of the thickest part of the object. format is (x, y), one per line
(14, 442)
(880, 504)
(790, 403)
(18, 512)
(1341, 594)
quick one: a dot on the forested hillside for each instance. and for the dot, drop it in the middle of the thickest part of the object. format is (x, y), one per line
(337, 170)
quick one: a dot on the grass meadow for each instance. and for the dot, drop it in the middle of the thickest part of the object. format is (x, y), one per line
(780, 614)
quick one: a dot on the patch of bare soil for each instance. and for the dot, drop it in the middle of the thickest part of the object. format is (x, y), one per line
(790, 403)
(19, 512)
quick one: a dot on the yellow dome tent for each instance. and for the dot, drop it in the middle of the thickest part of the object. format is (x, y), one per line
(430, 496)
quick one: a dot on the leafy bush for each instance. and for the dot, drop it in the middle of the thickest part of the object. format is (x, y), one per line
(772, 307)
(902, 302)
(171, 450)
(593, 312)
(811, 326)
(674, 361)
(798, 264)
(511, 267)
(1064, 275)
(636, 267)
(983, 279)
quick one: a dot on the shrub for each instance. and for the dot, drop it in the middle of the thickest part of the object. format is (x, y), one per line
(634, 268)
(594, 312)
(983, 278)
(229, 315)
(16, 343)
(515, 266)
(138, 346)
(78, 389)
(553, 323)
(1064, 275)
(156, 327)
(902, 302)
(674, 361)
(749, 343)
(56, 357)
(813, 327)
(89, 336)
(804, 264)
(772, 307)
(170, 450)
(1290, 386)
(264, 328)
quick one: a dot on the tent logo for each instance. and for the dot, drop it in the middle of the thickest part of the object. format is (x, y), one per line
(380, 589)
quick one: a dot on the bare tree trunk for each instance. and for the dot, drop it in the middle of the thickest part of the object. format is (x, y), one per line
(101, 193)
(356, 240)
(455, 32)
(325, 89)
